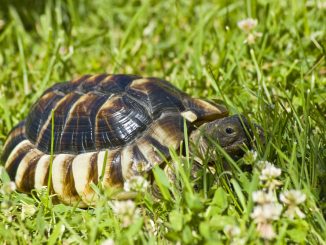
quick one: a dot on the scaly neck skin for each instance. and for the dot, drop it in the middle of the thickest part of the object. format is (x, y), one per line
(198, 146)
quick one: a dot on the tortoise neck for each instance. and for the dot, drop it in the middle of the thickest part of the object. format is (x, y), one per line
(197, 144)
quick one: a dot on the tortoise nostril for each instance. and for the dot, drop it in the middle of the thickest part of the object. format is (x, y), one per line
(229, 130)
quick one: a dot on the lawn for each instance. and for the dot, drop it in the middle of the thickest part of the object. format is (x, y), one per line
(263, 58)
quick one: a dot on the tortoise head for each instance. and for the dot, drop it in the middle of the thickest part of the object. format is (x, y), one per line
(232, 133)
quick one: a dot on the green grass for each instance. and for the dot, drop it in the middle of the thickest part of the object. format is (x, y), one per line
(278, 82)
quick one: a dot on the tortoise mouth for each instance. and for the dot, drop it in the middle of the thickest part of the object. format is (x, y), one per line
(237, 149)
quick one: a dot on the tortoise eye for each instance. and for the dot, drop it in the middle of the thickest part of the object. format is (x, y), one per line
(229, 130)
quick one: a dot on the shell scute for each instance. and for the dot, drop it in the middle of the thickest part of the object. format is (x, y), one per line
(115, 84)
(16, 135)
(63, 180)
(39, 114)
(16, 156)
(85, 172)
(156, 96)
(78, 130)
(205, 110)
(63, 88)
(119, 121)
(25, 175)
(42, 172)
(113, 176)
(91, 83)
(61, 113)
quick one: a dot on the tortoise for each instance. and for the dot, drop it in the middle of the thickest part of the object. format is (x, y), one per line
(121, 124)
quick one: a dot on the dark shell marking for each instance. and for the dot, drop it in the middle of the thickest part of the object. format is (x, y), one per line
(130, 119)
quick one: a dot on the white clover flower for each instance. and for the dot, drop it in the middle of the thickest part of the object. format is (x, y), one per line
(238, 241)
(266, 212)
(269, 174)
(6, 205)
(151, 227)
(125, 210)
(321, 5)
(247, 25)
(266, 231)
(292, 197)
(8, 214)
(294, 211)
(252, 37)
(262, 164)
(155, 226)
(108, 242)
(262, 197)
(123, 207)
(8, 187)
(270, 171)
(250, 157)
(27, 211)
(136, 183)
(149, 29)
(231, 230)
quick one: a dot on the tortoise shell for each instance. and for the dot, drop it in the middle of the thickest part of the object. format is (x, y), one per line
(127, 120)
